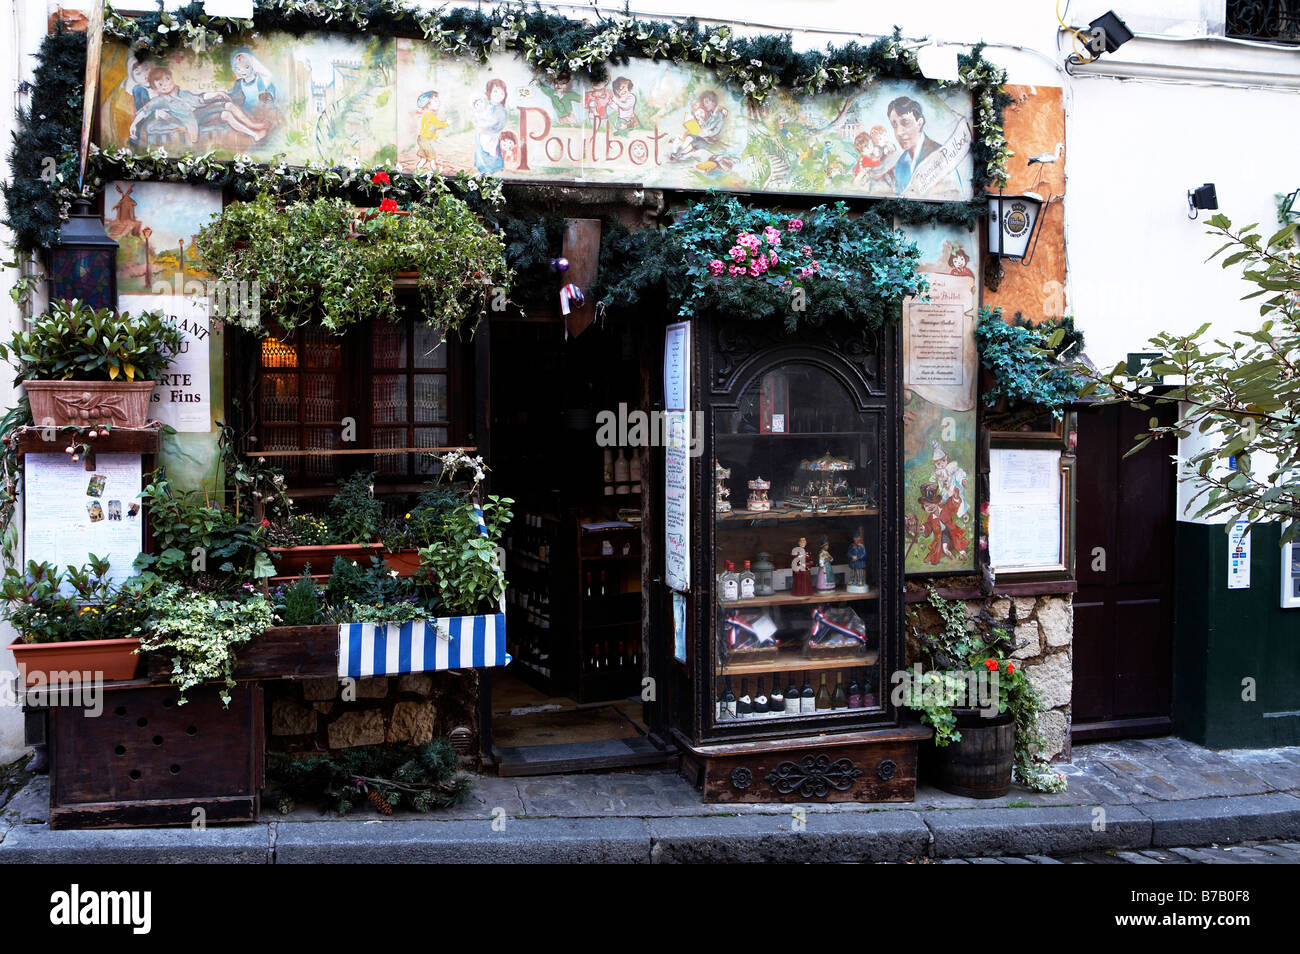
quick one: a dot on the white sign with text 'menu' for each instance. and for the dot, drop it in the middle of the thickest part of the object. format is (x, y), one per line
(183, 397)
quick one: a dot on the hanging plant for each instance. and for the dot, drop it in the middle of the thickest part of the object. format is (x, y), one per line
(321, 263)
(1030, 364)
(730, 259)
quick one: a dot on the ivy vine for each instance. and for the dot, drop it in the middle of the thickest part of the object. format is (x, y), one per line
(1025, 360)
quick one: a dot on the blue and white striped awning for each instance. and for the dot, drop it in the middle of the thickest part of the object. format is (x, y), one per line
(452, 642)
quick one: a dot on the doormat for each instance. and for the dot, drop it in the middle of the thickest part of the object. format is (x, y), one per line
(593, 724)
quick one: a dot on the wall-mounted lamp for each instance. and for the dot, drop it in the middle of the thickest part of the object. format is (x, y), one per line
(1202, 198)
(1292, 208)
(1013, 221)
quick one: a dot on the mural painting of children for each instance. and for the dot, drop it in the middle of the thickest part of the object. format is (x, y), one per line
(948, 540)
(870, 156)
(625, 102)
(489, 118)
(510, 150)
(562, 95)
(597, 103)
(702, 133)
(426, 141)
(958, 263)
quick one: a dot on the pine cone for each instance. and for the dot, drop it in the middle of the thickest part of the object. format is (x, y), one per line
(379, 801)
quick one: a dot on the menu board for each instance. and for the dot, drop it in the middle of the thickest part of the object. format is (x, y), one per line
(183, 397)
(1025, 509)
(677, 461)
(71, 512)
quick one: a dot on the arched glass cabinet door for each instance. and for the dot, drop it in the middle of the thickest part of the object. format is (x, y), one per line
(798, 538)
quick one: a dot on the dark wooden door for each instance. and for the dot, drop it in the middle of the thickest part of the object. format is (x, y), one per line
(1123, 612)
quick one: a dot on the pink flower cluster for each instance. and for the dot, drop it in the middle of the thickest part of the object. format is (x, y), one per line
(755, 256)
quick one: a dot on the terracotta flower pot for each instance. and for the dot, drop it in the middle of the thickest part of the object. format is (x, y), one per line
(79, 403)
(114, 659)
(405, 562)
(290, 561)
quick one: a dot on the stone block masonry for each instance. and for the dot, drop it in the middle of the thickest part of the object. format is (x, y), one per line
(316, 715)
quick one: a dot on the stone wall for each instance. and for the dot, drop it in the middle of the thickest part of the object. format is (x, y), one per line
(1043, 626)
(314, 715)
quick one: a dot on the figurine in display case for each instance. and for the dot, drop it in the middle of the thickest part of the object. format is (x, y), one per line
(858, 565)
(825, 567)
(721, 492)
(800, 578)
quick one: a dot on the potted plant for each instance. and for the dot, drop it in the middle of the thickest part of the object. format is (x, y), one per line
(350, 530)
(462, 563)
(81, 365)
(982, 707)
(75, 624)
(421, 525)
(201, 632)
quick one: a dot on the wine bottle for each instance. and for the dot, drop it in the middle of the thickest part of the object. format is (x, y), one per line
(621, 658)
(807, 698)
(823, 695)
(744, 705)
(588, 584)
(792, 697)
(760, 699)
(723, 709)
(603, 591)
(839, 700)
(856, 700)
(776, 701)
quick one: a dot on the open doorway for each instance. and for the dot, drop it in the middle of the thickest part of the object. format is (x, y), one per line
(570, 700)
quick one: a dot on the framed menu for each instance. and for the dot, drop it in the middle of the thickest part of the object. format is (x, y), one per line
(1028, 508)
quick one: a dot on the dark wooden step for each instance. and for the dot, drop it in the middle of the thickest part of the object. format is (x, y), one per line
(578, 756)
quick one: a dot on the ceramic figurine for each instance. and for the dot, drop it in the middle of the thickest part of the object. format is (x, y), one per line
(858, 565)
(721, 492)
(825, 567)
(800, 578)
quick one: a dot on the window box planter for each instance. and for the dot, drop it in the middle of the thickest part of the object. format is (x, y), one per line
(109, 659)
(291, 561)
(405, 562)
(79, 403)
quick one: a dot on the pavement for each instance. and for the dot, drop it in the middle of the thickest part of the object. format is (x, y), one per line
(1136, 798)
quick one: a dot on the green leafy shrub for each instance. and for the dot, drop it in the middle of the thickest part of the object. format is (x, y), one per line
(74, 342)
(1026, 360)
(47, 605)
(301, 602)
(462, 562)
(200, 543)
(354, 513)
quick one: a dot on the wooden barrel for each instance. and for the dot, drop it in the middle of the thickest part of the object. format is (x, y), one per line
(979, 766)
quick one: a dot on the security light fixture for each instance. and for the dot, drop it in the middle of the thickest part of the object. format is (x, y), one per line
(1107, 34)
(1202, 198)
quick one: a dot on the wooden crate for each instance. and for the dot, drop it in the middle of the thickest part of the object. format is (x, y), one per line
(146, 761)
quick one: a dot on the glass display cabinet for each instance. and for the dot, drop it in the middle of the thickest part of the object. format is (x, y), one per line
(798, 581)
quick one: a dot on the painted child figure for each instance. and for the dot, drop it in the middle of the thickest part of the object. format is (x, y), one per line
(800, 578)
(858, 565)
(825, 567)
(426, 142)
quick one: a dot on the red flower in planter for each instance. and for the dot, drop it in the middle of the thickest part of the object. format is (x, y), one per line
(388, 205)
(265, 523)
(1011, 667)
(990, 664)
(381, 178)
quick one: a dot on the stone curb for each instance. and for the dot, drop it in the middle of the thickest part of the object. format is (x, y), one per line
(990, 832)
(858, 836)
(1200, 821)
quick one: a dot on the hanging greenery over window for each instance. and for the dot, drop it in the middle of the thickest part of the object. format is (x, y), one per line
(315, 261)
(1031, 364)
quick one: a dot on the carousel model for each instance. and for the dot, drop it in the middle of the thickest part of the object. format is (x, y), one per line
(758, 501)
(721, 492)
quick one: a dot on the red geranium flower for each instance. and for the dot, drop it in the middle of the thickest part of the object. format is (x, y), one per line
(990, 664)
(388, 205)
(1011, 667)
(380, 178)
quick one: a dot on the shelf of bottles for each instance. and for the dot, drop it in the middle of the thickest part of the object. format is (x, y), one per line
(609, 562)
(798, 536)
(530, 545)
